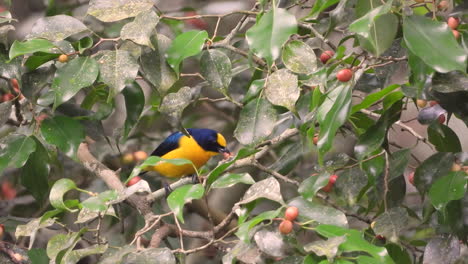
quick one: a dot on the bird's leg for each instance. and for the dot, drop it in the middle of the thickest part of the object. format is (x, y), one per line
(167, 188)
(195, 179)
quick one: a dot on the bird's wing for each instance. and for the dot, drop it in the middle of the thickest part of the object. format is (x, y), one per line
(168, 145)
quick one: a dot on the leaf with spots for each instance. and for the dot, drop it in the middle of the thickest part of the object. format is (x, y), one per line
(216, 67)
(56, 28)
(268, 189)
(390, 224)
(71, 78)
(299, 57)
(140, 30)
(182, 195)
(64, 132)
(16, 151)
(282, 89)
(174, 104)
(111, 10)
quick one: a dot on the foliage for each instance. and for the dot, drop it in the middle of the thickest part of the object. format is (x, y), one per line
(134, 73)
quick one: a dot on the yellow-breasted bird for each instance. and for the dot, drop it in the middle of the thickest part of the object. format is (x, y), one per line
(199, 148)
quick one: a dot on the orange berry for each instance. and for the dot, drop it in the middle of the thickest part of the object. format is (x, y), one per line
(456, 167)
(291, 213)
(133, 180)
(421, 103)
(285, 227)
(443, 5)
(63, 58)
(140, 155)
(453, 22)
(127, 158)
(344, 75)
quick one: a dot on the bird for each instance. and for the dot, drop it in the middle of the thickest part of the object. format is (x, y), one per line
(199, 147)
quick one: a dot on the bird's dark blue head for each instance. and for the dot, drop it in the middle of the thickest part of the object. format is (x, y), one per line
(209, 139)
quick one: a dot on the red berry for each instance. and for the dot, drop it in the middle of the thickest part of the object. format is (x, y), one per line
(8, 191)
(441, 119)
(195, 22)
(7, 97)
(456, 34)
(453, 22)
(315, 140)
(411, 178)
(432, 103)
(330, 184)
(344, 75)
(380, 237)
(291, 213)
(285, 227)
(326, 55)
(133, 180)
(443, 5)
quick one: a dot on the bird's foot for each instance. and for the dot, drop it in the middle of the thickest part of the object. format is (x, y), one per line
(167, 189)
(195, 179)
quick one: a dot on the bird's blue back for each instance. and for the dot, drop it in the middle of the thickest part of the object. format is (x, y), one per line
(172, 142)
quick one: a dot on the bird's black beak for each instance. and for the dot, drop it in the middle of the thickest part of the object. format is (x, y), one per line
(223, 150)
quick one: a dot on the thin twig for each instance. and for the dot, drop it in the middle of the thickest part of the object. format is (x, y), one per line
(387, 173)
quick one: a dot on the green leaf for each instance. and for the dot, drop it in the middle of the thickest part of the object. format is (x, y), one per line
(231, 179)
(29, 46)
(443, 138)
(39, 58)
(318, 213)
(110, 10)
(35, 173)
(355, 242)
(75, 255)
(134, 104)
(38, 256)
(174, 104)
(117, 67)
(5, 16)
(390, 224)
(433, 168)
(398, 253)
(185, 45)
(57, 192)
(244, 229)
(182, 195)
(371, 99)
(56, 28)
(64, 132)
(16, 151)
(447, 188)
(363, 25)
(350, 184)
(216, 172)
(268, 188)
(256, 122)
(299, 57)
(310, 186)
(84, 44)
(60, 245)
(99, 202)
(154, 66)
(269, 34)
(328, 248)
(72, 77)
(141, 29)
(434, 43)
(216, 68)
(319, 6)
(30, 229)
(332, 114)
(281, 89)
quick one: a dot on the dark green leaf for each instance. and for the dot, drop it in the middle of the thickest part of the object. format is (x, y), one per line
(423, 36)
(84, 44)
(182, 195)
(270, 32)
(57, 192)
(61, 244)
(39, 58)
(110, 10)
(38, 256)
(16, 151)
(134, 104)
(319, 6)
(318, 213)
(256, 122)
(35, 173)
(398, 254)
(281, 89)
(141, 29)
(349, 185)
(443, 138)
(373, 98)
(216, 67)
(230, 179)
(433, 168)
(243, 231)
(75, 255)
(310, 186)
(64, 132)
(299, 57)
(185, 45)
(71, 78)
(216, 172)
(390, 224)
(29, 46)
(56, 28)
(447, 188)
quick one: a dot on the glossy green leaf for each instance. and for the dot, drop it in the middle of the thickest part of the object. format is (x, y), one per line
(56, 28)
(299, 57)
(185, 45)
(256, 122)
(35, 173)
(182, 195)
(319, 6)
(433, 168)
(231, 179)
(371, 99)
(84, 44)
(29, 46)
(310, 186)
(363, 25)
(355, 242)
(443, 138)
(154, 66)
(447, 188)
(141, 29)
(434, 43)
(38, 256)
(63, 132)
(16, 151)
(243, 231)
(268, 188)
(117, 68)
(216, 68)
(216, 172)
(134, 104)
(381, 34)
(270, 32)
(39, 58)
(390, 224)
(110, 10)
(398, 253)
(71, 78)
(318, 213)
(281, 89)
(332, 114)
(57, 192)
(254, 90)
(75, 255)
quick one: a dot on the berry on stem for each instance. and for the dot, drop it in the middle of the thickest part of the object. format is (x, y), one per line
(443, 5)
(453, 22)
(344, 75)
(291, 213)
(441, 119)
(326, 55)
(421, 103)
(456, 34)
(127, 158)
(285, 227)
(133, 180)
(330, 184)
(63, 58)
(315, 139)
(140, 155)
